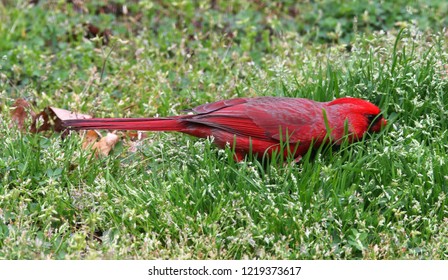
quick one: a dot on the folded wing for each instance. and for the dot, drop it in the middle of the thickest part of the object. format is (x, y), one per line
(264, 118)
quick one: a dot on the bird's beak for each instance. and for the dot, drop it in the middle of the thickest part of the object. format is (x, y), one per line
(378, 125)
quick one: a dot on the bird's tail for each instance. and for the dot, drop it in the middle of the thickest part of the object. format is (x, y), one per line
(148, 124)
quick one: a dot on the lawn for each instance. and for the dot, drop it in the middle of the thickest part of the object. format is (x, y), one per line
(172, 196)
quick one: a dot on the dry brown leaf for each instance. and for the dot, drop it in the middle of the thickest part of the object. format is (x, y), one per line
(132, 135)
(21, 113)
(41, 122)
(51, 119)
(68, 115)
(105, 145)
(135, 135)
(94, 31)
(89, 139)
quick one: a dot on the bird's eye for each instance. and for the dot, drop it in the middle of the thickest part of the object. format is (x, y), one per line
(373, 119)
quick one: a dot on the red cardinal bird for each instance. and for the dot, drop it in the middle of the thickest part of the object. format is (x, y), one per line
(258, 125)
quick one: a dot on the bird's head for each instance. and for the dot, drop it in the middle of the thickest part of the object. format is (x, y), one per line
(362, 116)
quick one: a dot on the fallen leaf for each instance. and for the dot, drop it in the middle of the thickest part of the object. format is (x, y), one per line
(51, 118)
(89, 139)
(105, 145)
(135, 135)
(21, 113)
(41, 122)
(94, 32)
(63, 114)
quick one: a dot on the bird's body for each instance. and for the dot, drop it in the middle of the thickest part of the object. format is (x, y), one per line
(258, 125)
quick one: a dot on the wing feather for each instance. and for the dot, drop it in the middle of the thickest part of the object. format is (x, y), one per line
(266, 118)
(233, 124)
(215, 106)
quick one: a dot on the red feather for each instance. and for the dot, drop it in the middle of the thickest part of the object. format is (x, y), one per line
(258, 125)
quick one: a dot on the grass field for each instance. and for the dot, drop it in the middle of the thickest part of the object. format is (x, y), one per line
(178, 197)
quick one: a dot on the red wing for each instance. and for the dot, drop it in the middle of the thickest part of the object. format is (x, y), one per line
(232, 124)
(289, 119)
(265, 118)
(212, 107)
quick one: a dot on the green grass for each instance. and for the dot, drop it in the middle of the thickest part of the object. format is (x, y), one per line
(179, 197)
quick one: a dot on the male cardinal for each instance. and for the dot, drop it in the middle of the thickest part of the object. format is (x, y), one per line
(259, 125)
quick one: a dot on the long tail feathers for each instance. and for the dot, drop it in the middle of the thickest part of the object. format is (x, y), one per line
(149, 124)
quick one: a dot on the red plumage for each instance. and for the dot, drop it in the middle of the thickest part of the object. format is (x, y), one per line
(260, 124)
